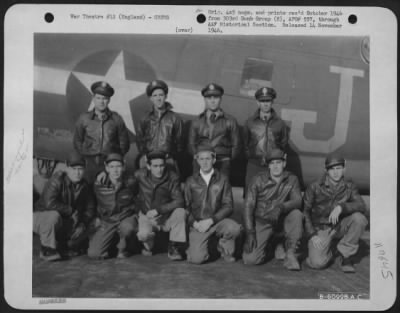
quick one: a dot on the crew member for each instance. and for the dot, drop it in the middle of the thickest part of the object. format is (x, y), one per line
(273, 201)
(161, 129)
(209, 202)
(100, 131)
(216, 127)
(64, 211)
(161, 206)
(333, 208)
(263, 131)
(115, 194)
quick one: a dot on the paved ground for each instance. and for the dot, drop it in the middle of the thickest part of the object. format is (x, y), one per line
(157, 277)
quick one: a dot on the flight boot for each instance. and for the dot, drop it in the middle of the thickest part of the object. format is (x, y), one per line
(291, 262)
(174, 251)
(346, 265)
(280, 252)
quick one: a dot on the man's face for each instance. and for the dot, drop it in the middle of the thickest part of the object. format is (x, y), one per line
(158, 98)
(336, 173)
(156, 167)
(276, 167)
(265, 105)
(75, 173)
(206, 160)
(100, 102)
(212, 102)
(115, 170)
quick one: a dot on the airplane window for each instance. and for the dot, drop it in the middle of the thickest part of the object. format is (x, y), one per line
(256, 73)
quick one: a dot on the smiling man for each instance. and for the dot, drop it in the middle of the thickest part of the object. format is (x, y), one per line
(333, 208)
(161, 129)
(273, 200)
(100, 131)
(217, 128)
(161, 206)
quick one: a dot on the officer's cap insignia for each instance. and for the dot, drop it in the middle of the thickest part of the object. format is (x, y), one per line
(103, 84)
(211, 87)
(265, 91)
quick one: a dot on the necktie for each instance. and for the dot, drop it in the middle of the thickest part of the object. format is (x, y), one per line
(213, 117)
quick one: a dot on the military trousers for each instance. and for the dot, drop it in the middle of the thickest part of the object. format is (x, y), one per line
(227, 230)
(105, 235)
(349, 231)
(54, 230)
(175, 224)
(293, 231)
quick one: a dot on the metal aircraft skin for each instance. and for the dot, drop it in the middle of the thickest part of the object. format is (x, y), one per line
(322, 85)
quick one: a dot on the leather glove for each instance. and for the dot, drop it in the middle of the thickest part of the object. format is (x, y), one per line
(250, 243)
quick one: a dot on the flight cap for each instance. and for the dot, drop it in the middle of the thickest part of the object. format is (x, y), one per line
(274, 154)
(156, 154)
(114, 157)
(75, 159)
(205, 146)
(212, 90)
(265, 93)
(102, 88)
(156, 84)
(334, 159)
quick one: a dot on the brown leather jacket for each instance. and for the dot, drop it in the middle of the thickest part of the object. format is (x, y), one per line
(320, 199)
(224, 135)
(163, 195)
(213, 201)
(263, 194)
(59, 194)
(94, 136)
(262, 136)
(160, 133)
(114, 203)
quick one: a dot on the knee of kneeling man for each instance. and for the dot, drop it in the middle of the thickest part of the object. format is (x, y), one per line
(93, 253)
(296, 214)
(235, 230)
(359, 218)
(180, 213)
(54, 217)
(145, 236)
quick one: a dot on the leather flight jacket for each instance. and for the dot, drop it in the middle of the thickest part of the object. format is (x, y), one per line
(264, 194)
(163, 194)
(320, 198)
(114, 203)
(95, 136)
(163, 133)
(61, 195)
(262, 136)
(223, 134)
(214, 201)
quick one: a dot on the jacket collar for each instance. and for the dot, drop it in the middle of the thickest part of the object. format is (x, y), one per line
(107, 113)
(216, 175)
(220, 114)
(168, 107)
(160, 180)
(256, 115)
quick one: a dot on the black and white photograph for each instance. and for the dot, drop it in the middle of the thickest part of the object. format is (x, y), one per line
(178, 164)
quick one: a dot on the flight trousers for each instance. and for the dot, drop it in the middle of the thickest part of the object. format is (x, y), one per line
(293, 231)
(227, 230)
(105, 233)
(53, 229)
(175, 224)
(349, 231)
